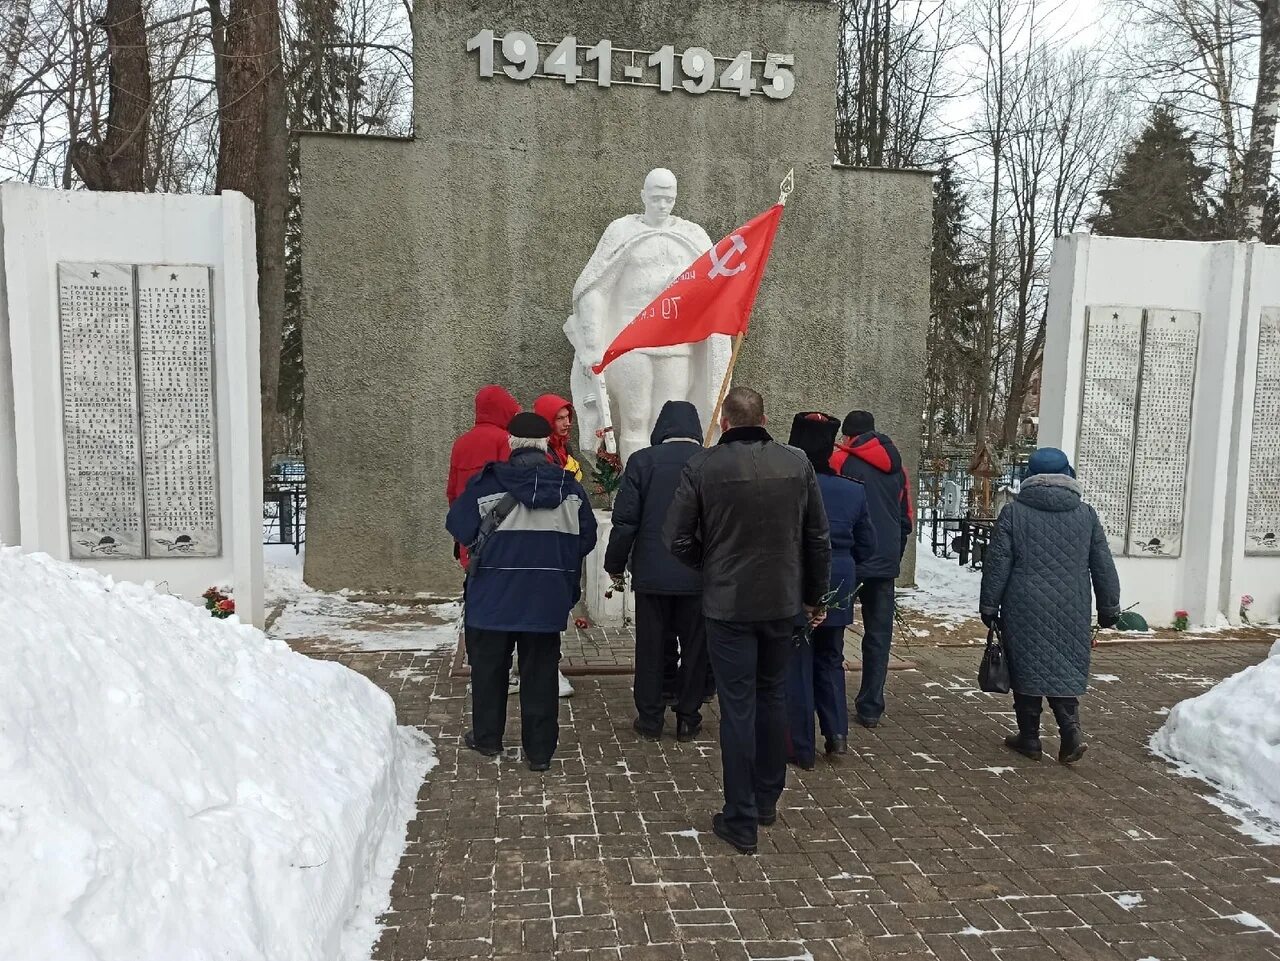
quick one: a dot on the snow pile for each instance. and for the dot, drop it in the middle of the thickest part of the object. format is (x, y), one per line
(944, 589)
(174, 786)
(1230, 736)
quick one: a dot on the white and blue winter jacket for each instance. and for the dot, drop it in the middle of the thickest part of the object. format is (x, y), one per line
(528, 575)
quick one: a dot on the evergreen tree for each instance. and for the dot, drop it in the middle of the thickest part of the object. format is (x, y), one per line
(1159, 191)
(955, 296)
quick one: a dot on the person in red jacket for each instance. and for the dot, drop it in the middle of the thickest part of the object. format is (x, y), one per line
(483, 443)
(558, 412)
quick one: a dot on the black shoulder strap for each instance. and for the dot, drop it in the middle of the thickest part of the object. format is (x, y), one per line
(490, 523)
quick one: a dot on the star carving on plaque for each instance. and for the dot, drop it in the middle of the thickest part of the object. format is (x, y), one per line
(173, 276)
(94, 274)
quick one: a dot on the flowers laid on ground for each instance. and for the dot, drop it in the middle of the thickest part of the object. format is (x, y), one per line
(1246, 602)
(219, 604)
(1181, 620)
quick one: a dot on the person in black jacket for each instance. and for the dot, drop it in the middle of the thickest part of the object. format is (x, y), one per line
(668, 592)
(872, 458)
(749, 515)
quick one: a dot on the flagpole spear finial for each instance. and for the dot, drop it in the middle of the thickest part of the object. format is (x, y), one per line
(788, 185)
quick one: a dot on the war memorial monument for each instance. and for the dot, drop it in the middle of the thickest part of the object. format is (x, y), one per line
(513, 222)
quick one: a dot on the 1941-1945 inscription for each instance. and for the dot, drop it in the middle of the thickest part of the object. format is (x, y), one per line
(694, 70)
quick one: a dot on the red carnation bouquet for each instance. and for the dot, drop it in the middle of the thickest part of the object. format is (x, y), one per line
(219, 605)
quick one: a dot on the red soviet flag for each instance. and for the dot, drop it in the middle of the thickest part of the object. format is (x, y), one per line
(713, 296)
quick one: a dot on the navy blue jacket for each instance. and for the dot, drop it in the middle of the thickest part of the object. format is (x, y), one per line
(528, 576)
(640, 509)
(874, 459)
(853, 541)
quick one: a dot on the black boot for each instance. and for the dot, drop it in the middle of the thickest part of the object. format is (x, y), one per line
(1066, 711)
(839, 744)
(687, 730)
(1027, 741)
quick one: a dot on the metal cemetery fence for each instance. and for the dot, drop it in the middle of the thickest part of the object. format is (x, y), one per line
(284, 506)
(947, 512)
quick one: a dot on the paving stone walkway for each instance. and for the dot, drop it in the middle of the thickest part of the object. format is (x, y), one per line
(929, 841)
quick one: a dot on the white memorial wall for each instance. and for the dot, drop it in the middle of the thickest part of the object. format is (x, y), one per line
(1159, 385)
(129, 418)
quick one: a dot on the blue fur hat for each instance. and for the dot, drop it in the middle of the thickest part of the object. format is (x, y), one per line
(1049, 460)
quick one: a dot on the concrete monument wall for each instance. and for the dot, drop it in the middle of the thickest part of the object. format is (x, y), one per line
(1158, 339)
(436, 265)
(195, 437)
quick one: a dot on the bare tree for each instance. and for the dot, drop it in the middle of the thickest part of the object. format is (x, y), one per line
(1262, 134)
(116, 159)
(1217, 62)
(252, 159)
(890, 80)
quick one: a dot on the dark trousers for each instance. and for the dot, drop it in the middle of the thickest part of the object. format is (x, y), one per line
(815, 681)
(876, 595)
(658, 617)
(670, 666)
(750, 659)
(490, 656)
(1066, 711)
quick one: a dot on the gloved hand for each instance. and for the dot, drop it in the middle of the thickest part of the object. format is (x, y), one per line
(989, 619)
(617, 582)
(1108, 620)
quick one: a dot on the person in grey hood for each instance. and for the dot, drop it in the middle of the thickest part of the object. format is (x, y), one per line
(668, 592)
(1047, 550)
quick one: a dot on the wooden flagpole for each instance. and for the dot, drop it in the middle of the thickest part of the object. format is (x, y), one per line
(724, 387)
(788, 185)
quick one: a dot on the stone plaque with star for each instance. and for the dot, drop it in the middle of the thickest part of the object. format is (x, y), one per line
(1262, 520)
(139, 419)
(100, 410)
(1104, 459)
(179, 445)
(1168, 374)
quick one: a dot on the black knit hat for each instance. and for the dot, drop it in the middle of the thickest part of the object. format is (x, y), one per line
(815, 434)
(530, 425)
(858, 422)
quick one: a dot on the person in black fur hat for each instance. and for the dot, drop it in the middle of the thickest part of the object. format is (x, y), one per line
(815, 676)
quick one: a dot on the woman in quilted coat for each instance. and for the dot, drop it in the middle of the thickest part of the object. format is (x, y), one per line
(1047, 551)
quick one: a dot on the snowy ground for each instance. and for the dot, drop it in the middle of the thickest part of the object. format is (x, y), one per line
(1230, 737)
(319, 621)
(174, 786)
(944, 590)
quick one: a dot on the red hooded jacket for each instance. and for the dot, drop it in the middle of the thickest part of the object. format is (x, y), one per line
(483, 443)
(548, 406)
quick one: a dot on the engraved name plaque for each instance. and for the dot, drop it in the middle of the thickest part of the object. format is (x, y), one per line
(175, 360)
(1163, 436)
(1104, 459)
(1262, 520)
(100, 410)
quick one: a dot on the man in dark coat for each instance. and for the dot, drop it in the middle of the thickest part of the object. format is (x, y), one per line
(815, 678)
(873, 459)
(668, 592)
(522, 583)
(1047, 549)
(749, 515)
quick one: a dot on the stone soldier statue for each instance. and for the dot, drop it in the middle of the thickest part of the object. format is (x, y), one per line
(637, 258)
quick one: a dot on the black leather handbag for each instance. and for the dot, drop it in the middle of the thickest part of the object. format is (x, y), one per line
(993, 673)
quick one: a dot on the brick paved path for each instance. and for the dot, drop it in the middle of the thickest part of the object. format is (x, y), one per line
(931, 841)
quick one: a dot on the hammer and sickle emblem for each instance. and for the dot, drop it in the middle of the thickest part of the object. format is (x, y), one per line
(718, 268)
